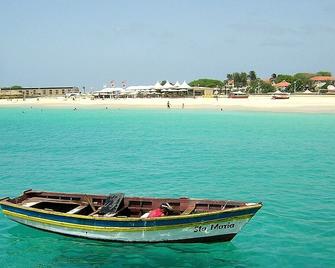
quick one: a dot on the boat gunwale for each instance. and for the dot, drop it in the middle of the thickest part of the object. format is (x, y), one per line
(133, 219)
(129, 229)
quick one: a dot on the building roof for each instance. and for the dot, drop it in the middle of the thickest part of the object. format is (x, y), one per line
(139, 88)
(158, 85)
(323, 78)
(282, 84)
(110, 90)
(167, 85)
(37, 88)
(177, 84)
(185, 85)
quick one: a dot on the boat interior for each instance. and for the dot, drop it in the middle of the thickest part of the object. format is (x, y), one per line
(116, 205)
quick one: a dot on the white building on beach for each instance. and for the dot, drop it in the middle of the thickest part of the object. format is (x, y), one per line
(156, 90)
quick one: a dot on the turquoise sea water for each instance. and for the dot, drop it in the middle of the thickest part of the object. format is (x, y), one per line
(284, 160)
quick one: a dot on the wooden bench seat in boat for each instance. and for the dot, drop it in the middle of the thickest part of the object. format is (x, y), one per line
(30, 204)
(77, 209)
(49, 204)
(35, 200)
(188, 210)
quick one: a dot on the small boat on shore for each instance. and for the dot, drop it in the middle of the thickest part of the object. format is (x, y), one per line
(116, 217)
(279, 95)
(238, 95)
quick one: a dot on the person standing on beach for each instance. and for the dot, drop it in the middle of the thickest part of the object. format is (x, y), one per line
(183, 105)
(168, 105)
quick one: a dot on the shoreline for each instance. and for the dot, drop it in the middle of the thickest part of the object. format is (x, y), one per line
(296, 104)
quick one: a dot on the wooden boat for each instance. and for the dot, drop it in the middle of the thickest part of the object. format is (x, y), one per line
(238, 95)
(278, 95)
(118, 218)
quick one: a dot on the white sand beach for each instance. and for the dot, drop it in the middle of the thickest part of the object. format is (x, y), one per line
(297, 103)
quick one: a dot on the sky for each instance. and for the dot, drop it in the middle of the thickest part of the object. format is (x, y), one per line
(89, 43)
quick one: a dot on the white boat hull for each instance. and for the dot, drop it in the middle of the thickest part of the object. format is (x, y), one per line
(225, 230)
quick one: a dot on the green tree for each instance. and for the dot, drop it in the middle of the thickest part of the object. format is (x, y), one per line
(267, 87)
(324, 73)
(282, 77)
(237, 79)
(244, 79)
(325, 86)
(252, 76)
(300, 81)
(260, 86)
(303, 76)
(206, 82)
(240, 79)
(253, 87)
(15, 87)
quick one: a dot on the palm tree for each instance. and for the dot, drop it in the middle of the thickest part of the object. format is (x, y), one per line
(252, 76)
